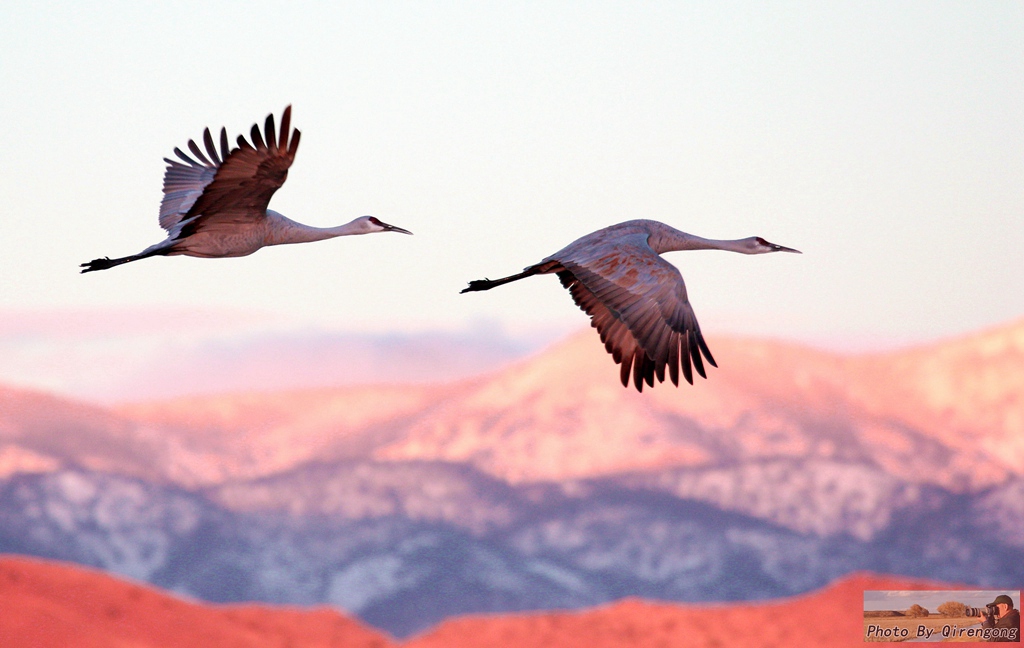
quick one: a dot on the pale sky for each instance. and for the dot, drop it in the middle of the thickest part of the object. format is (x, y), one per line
(885, 140)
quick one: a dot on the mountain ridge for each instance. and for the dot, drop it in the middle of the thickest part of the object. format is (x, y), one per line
(560, 415)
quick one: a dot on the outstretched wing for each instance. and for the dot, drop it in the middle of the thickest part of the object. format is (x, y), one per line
(637, 302)
(184, 183)
(236, 184)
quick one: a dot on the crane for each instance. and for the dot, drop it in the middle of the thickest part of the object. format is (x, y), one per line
(217, 206)
(635, 299)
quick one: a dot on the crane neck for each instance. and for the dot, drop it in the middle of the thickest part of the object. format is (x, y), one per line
(284, 230)
(675, 240)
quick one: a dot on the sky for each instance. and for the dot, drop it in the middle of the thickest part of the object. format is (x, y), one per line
(884, 140)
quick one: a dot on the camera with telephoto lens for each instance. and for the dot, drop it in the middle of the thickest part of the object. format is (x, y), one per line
(989, 611)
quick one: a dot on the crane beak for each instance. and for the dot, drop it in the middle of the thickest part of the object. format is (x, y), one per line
(393, 228)
(782, 248)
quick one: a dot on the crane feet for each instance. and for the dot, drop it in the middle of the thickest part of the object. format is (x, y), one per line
(480, 284)
(98, 264)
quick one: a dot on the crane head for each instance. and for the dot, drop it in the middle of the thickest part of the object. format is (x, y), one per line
(373, 224)
(758, 245)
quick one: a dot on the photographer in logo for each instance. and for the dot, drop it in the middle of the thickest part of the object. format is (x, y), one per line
(1000, 615)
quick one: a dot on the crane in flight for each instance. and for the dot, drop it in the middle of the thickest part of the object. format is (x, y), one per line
(635, 299)
(217, 206)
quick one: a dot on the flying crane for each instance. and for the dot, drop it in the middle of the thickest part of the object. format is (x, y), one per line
(635, 299)
(216, 206)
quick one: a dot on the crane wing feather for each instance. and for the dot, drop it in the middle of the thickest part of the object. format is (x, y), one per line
(183, 184)
(257, 140)
(637, 301)
(236, 185)
(225, 146)
(210, 148)
(271, 135)
(198, 153)
(185, 158)
(286, 124)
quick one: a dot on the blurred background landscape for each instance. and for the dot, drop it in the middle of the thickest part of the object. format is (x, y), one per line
(539, 484)
(186, 445)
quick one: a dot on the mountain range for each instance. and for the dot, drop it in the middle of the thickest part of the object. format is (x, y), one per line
(541, 485)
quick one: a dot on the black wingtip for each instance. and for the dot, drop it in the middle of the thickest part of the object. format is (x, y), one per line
(270, 132)
(187, 159)
(210, 148)
(286, 123)
(638, 369)
(698, 364)
(192, 146)
(705, 350)
(225, 146)
(257, 138)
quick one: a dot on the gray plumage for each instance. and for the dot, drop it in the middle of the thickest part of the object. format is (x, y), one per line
(635, 299)
(215, 205)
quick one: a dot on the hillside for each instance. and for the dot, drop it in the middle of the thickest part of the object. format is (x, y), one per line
(52, 604)
(827, 618)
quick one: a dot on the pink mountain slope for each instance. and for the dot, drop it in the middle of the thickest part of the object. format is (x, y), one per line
(253, 434)
(951, 413)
